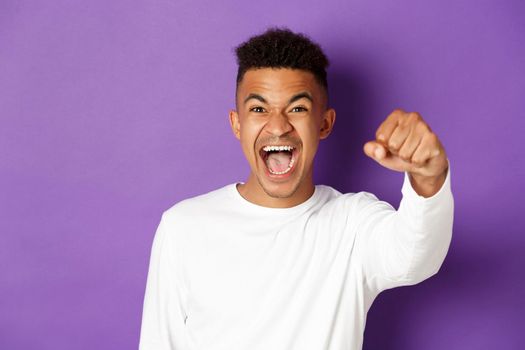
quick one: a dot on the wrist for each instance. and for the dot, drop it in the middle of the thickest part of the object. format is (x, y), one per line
(427, 186)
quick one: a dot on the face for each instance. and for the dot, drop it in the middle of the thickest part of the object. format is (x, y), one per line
(283, 108)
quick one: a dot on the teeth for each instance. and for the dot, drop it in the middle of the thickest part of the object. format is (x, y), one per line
(277, 148)
(280, 148)
(283, 172)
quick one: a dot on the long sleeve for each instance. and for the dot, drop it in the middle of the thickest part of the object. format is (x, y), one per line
(407, 246)
(163, 316)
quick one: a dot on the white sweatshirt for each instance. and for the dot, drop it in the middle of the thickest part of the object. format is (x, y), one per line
(227, 274)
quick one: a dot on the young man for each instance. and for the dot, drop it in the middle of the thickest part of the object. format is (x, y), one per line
(277, 262)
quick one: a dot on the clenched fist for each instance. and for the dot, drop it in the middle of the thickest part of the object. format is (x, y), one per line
(405, 142)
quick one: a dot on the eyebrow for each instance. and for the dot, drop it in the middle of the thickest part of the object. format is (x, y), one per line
(294, 98)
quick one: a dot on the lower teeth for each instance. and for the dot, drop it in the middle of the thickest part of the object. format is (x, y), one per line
(282, 172)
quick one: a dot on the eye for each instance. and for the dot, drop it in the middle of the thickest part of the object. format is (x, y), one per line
(257, 109)
(300, 109)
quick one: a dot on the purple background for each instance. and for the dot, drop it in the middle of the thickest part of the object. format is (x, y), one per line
(112, 111)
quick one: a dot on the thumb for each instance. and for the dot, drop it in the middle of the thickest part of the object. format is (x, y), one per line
(374, 150)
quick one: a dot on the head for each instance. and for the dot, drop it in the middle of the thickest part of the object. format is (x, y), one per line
(281, 100)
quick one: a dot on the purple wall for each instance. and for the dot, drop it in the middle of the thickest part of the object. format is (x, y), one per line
(112, 111)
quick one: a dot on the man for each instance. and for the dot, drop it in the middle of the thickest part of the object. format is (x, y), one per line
(277, 262)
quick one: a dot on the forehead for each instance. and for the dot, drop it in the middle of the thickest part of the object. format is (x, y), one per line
(277, 84)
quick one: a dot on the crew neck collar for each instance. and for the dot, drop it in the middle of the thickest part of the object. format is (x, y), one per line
(256, 208)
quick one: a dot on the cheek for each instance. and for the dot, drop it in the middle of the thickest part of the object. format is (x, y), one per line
(309, 134)
(248, 138)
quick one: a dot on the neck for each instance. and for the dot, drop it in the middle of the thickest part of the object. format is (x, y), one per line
(284, 196)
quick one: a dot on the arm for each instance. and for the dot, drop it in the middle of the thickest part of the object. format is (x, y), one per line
(406, 246)
(163, 316)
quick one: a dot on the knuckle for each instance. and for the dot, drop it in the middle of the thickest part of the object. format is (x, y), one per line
(404, 120)
(393, 144)
(433, 138)
(404, 154)
(398, 111)
(414, 116)
(423, 127)
(395, 115)
(401, 126)
(390, 118)
(417, 160)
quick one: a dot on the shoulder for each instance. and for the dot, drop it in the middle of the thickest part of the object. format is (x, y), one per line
(349, 201)
(195, 206)
(345, 210)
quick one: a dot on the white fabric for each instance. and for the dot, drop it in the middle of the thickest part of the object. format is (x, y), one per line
(227, 274)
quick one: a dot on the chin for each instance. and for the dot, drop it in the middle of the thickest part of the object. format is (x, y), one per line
(279, 190)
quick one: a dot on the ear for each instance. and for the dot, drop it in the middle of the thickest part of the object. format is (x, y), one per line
(327, 123)
(235, 124)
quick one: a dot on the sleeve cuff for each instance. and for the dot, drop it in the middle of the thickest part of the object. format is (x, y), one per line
(408, 191)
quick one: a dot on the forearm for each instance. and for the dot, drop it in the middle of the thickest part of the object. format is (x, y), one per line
(427, 222)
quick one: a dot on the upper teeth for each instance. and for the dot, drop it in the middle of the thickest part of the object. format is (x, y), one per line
(277, 148)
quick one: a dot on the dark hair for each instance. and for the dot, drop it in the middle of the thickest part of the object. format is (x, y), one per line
(282, 48)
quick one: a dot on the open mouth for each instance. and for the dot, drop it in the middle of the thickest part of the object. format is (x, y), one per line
(279, 159)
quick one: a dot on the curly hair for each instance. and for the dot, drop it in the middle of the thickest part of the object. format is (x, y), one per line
(282, 48)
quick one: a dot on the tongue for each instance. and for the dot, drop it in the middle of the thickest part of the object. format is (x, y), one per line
(278, 161)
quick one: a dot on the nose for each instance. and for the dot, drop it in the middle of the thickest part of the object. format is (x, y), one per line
(278, 124)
